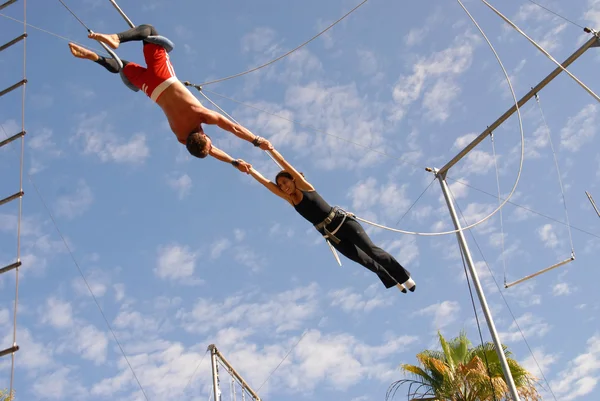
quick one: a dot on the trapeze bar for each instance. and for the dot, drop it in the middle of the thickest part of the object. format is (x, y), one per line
(564, 262)
(590, 43)
(12, 88)
(592, 202)
(11, 198)
(12, 138)
(114, 3)
(10, 267)
(8, 3)
(12, 42)
(9, 351)
(234, 373)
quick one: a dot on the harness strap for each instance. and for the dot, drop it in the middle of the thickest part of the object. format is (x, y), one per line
(330, 235)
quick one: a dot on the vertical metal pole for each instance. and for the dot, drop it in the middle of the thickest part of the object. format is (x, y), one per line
(114, 3)
(215, 372)
(484, 306)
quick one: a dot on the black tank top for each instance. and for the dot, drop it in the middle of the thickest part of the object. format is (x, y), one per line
(313, 207)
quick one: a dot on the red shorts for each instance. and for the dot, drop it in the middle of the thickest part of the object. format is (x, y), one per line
(158, 75)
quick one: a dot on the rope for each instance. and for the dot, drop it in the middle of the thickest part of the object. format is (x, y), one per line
(49, 32)
(19, 218)
(284, 358)
(415, 202)
(540, 48)
(501, 217)
(31, 180)
(555, 13)
(537, 98)
(525, 208)
(506, 302)
(74, 15)
(288, 53)
(194, 372)
(522, 150)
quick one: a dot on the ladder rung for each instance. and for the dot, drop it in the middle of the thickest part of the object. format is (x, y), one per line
(12, 42)
(10, 267)
(12, 88)
(10, 350)
(8, 3)
(11, 198)
(12, 138)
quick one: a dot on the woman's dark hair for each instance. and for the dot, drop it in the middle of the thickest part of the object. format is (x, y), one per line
(285, 174)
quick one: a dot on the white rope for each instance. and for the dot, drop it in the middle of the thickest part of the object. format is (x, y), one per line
(562, 190)
(522, 149)
(499, 197)
(540, 48)
(286, 54)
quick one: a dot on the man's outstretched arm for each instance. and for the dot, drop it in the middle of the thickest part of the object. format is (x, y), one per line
(224, 157)
(214, 118)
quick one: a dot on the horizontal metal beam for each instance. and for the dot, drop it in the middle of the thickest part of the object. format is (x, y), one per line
(590, 43)
(11, 198)
(10, 267)
(9, 351)
(12, 42)
(8, 3)
(547, 269)
(12, 88)
(12, 138)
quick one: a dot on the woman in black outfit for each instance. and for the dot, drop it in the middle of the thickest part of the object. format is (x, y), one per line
(337, 226)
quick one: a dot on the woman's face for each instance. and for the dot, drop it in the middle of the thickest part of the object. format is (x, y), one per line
(286, 185)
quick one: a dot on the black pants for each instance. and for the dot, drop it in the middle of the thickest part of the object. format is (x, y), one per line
(356, 245)
(139, 33)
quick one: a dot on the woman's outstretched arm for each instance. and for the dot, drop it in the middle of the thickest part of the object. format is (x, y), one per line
(271, 186)
(299, 178)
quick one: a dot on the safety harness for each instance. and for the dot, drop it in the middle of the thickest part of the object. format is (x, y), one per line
(330, 235)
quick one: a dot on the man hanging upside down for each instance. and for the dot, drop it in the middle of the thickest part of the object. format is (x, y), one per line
(158, 81)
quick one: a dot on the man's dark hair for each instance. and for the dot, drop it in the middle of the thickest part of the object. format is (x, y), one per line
(196, 144)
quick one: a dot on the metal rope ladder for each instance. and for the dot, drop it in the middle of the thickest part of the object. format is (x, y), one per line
(9, 139)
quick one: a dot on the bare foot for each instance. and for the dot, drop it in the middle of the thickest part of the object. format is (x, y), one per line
(81, 52)
(111, 40)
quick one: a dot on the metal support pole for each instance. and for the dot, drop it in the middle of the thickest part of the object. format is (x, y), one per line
(592, 42)
(114, 3)
(484, 306)
(593, 203)
(215, 372)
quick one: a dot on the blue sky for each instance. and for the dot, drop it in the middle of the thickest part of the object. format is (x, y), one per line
(182, 253)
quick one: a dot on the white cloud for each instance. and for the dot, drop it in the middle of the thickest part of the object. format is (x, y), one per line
(581, 374)
(530, 326)
(389, 198)
(579, 129)
(441, 68)
(77, 203)
(561, 289)
(218, 247)
(182, 184)
(57, 313)
(97, 137)
(351, 301)
(548, 236)
(176, 262)
(444, 313)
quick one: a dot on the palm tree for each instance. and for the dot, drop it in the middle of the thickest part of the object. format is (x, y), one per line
(4, 396)
(461, 373)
